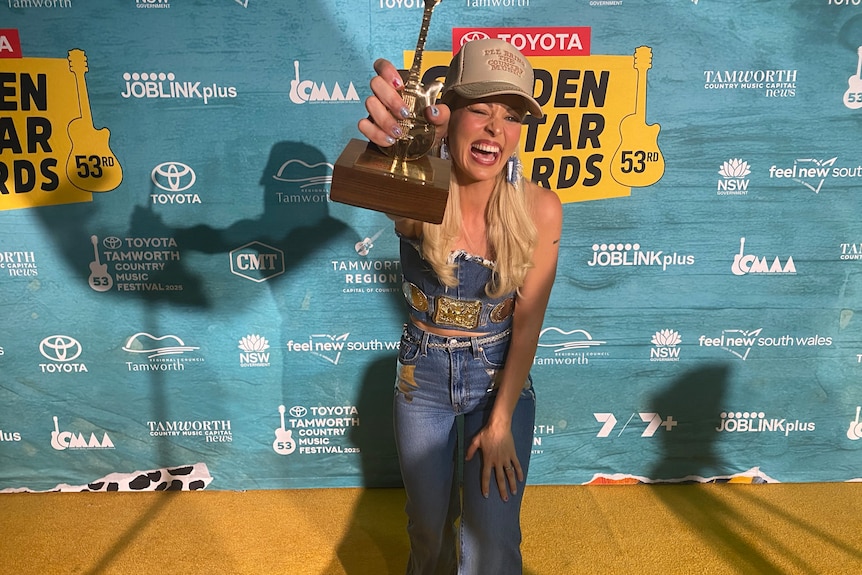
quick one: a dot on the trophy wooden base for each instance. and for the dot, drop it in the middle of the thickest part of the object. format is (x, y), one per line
(364, 176)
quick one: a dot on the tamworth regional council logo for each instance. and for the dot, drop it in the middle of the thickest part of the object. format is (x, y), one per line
(56, 155)
(572, 347)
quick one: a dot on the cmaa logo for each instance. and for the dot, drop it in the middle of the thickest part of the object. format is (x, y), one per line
(304, 91)
(62, 440)
(257, 262)
(747, 264)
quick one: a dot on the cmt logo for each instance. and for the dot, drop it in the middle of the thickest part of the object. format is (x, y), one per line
(257, 262)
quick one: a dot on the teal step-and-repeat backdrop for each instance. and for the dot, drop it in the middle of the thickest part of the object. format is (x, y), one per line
(183, 307)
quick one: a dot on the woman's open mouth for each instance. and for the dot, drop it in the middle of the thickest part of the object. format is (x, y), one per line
(485, 153)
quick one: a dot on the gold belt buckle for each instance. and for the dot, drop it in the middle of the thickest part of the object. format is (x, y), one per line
(457, 313)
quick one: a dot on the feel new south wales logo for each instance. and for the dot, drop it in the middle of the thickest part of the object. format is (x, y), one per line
(51, 148)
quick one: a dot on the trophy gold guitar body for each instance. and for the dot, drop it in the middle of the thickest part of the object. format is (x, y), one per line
(91, 166)
(638, 161)
(402, 179)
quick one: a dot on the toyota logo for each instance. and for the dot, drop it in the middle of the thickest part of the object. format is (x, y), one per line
(60, 348)
(112, 242)
(475, 35)
(173, 176)
(298, 411)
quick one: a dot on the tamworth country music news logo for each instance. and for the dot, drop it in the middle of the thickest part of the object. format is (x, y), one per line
(51, 151)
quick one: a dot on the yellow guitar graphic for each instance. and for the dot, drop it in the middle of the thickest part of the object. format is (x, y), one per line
(638, 161)
(92, 166)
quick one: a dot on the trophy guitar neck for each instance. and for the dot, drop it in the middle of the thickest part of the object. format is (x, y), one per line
(418, 135)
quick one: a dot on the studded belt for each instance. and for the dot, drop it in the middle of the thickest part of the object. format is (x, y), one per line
(460, 313)
(456, 343)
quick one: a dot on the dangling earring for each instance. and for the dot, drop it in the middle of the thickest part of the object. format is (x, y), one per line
(514, 169)
(444, 149)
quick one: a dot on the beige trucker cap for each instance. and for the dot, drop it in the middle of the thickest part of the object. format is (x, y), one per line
(490, 67)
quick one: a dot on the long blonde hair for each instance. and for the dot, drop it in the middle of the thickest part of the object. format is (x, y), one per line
(510, 230)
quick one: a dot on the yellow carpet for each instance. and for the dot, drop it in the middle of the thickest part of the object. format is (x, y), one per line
(667, 530)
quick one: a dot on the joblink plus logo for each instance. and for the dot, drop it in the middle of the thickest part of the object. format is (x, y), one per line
(614, 255)
(165, 86)
(757, 422)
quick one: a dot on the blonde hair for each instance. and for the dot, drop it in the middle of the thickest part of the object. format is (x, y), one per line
(510, 231)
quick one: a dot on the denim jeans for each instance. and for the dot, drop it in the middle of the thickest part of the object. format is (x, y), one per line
(444, 393)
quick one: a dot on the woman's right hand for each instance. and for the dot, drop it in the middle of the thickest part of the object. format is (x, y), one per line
(385, 107)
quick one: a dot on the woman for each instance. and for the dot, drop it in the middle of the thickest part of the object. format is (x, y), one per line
(477, 287)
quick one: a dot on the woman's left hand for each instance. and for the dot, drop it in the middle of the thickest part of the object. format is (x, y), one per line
(498, 458)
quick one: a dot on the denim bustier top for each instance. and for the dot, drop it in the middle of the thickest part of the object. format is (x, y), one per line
(465, 306)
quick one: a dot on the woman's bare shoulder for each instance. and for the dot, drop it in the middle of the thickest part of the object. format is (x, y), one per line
(547, 207)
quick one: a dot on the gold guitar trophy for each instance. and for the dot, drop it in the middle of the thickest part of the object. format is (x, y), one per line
(402, 179)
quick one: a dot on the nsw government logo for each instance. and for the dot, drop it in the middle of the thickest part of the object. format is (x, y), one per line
(665, 344)
(733, 180)
(253, 351)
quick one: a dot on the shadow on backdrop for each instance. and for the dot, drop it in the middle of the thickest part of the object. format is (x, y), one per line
(688, 455)
(299, 230)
